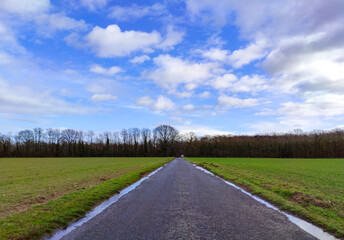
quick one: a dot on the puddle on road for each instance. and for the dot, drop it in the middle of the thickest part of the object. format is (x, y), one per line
(100, 208)
(306, 226)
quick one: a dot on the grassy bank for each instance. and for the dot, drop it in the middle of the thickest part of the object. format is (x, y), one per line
(310, 188)
(39, 195)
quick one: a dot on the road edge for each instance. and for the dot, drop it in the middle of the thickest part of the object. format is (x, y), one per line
(60, 233)
(310, 228)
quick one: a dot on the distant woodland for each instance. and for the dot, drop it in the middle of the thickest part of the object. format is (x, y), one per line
(165, 140)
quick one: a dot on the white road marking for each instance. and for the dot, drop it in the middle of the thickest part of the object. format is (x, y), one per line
(100, 208)
(306, 226)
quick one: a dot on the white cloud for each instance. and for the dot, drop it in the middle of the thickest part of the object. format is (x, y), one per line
(251, 84)
(327, 105)
(296, 66)
(316, 111)
(145, 101)
(189, 107)
(103, 85)
(224, 82)
(239, 57)
(181, 77)
(106, 71)
(29, 86)
(37, 16)
(9, 42)
(319, 27)
(190, 86)
(5, 58)
(246, 55)
(161, 104)
(93, 4)
(98, 97)
(172, 38)
(299, 45)
(7, 35)
(140, 59)
(135, 11)
(283, 125)
(204, 94)
(112, 42)
(70, 71)
(182, 94)
(173, 72)
(23, 100)
(74, 39)
(59, 21)
(201, 130)
(234, 102)
(25, 7)
(277, 18)
(216, 54)
(231, 83)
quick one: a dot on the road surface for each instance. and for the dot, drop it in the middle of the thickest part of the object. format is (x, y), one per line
(182, 202)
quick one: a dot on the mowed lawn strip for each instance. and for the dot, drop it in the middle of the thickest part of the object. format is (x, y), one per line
(310, 188)
(39, 195)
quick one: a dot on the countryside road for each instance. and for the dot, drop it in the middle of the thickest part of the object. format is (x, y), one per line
(182, 202)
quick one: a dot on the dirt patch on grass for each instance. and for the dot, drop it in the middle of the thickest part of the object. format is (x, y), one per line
(142, 174)
(309, 200)
(39, 199)
(213, 165)
(203, 165)
(267, 185)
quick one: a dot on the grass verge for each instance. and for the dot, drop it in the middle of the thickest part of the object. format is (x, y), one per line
(312, 189)
(43, 218)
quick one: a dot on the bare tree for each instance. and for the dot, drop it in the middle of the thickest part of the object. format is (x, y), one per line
(56, 136)
(80, 136)
(69, 136)
(124, 135)
(89, 136)
(136, 137)
(25, 136)
(38, 135)
(49, 134)
(165, 141)
(116, 137)
(145, 135)
(166, 136)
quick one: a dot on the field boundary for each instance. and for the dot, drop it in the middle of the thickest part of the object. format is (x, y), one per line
(209, 167)
(42, 220)
(303, 224)
(101, 207)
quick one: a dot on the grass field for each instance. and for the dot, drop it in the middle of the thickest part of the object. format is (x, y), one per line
(38, 195)
(310, 188)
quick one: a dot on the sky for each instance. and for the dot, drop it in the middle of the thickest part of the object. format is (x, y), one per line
(211, 67)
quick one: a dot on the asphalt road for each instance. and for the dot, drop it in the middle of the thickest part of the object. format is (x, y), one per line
(182, 202)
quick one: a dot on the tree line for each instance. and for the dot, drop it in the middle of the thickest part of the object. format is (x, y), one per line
(165, 140)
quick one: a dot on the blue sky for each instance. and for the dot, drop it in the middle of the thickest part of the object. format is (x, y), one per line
(241, 67)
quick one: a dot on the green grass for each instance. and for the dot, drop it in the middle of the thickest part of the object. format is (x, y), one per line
(39, 195)
(310, 188)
